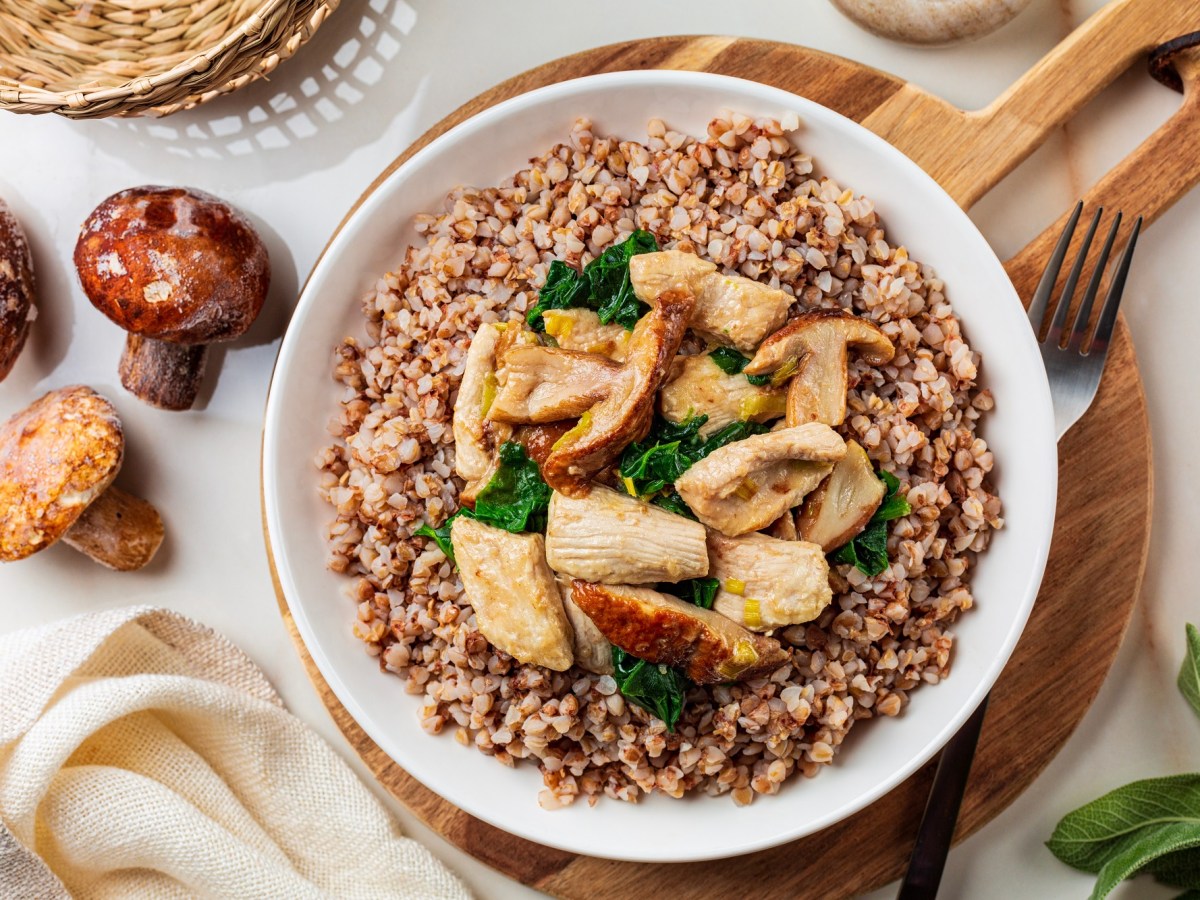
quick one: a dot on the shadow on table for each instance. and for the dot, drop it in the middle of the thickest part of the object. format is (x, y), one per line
(333, 93)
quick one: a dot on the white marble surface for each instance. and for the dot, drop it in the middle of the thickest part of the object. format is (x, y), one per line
(296, 152)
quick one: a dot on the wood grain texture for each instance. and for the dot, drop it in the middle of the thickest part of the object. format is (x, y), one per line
(1081, 613)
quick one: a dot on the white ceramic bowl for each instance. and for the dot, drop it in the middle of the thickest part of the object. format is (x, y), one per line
(879, 754)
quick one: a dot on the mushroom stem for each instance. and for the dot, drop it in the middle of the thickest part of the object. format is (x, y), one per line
(163, 373)
(117, 530)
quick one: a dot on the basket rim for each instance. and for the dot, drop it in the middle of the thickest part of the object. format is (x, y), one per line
(145, 85)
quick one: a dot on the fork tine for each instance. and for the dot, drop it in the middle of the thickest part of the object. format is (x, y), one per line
(1108, 315)
(1080, 328)
(1041, 296)
(1054, 335)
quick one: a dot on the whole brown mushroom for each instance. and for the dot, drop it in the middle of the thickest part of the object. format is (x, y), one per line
(58, 459)
(178, 269)
(16, 289)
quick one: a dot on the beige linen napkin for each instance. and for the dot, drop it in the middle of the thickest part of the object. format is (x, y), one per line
(141, 754)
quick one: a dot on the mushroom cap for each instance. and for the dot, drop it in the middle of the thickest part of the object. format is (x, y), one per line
(56, 456)
(818, 328)
(16, 289)
(174, 264)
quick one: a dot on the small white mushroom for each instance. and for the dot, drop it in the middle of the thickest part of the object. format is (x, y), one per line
(812, 350)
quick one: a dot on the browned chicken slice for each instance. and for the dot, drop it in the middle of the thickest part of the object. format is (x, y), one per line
(812, 350)
(767, 583)
(517, 604)
(612, 537)
(580, 329)
(747, 485)
(593, 652)
(662, 629)
(730, 309)
(476, 439)
(547, 384)
(624, 415)
(698, 386)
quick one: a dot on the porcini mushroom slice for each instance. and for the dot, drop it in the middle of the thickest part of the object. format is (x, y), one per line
(747, 485)
(612, 537)
(624, 414)
(766, 583)
(546, 384)
(812, 350)
(730, 309)
(58, 458)
(593, 652)
(660, 628)
(517, 604)
(581, 329)
(844, 502)
(16, 289)
(476, 439)
(178, 269)
(698, 386)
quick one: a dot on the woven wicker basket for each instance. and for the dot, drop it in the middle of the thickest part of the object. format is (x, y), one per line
(91, 58)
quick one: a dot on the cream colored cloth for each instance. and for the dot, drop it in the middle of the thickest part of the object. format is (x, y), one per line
(143, 755)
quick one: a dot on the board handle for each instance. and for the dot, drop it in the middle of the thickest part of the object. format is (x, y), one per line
(1145, 183)
(990, 142)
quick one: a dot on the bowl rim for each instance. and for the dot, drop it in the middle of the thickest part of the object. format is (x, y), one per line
(1037, 409)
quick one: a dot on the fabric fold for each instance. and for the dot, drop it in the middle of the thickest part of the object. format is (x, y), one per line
(143, 754)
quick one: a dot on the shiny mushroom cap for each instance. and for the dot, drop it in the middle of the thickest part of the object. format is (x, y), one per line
(56, 456)
(174, 264)
(812, 350)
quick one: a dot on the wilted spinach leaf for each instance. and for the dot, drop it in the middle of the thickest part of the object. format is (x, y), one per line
(658, 689)
(867, 551)
(699, 591)
(603, 286)
(731, 363)
(515, 500)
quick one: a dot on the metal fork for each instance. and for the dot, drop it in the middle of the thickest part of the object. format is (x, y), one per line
(1074, 373)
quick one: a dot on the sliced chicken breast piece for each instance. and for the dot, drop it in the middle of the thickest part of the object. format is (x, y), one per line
(593, 652)
(698, 386)
(747, 485)
(730, 309)
(476, 439)
(767, 583)
(517, 604)
(546, 384)
(663, 629)
(580, 329)
(624, 415)
(609, 536)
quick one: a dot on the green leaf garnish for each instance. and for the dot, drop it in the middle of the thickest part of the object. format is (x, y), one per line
(1189, 672)
(867, 550)
(731, 363)
(658, 689)
(515, 500)
(1151, 825)
(603, 286)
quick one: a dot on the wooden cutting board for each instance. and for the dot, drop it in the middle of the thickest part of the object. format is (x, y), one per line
(1086, 601)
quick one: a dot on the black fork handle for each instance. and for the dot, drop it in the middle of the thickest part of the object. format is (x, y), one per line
(928, 859)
